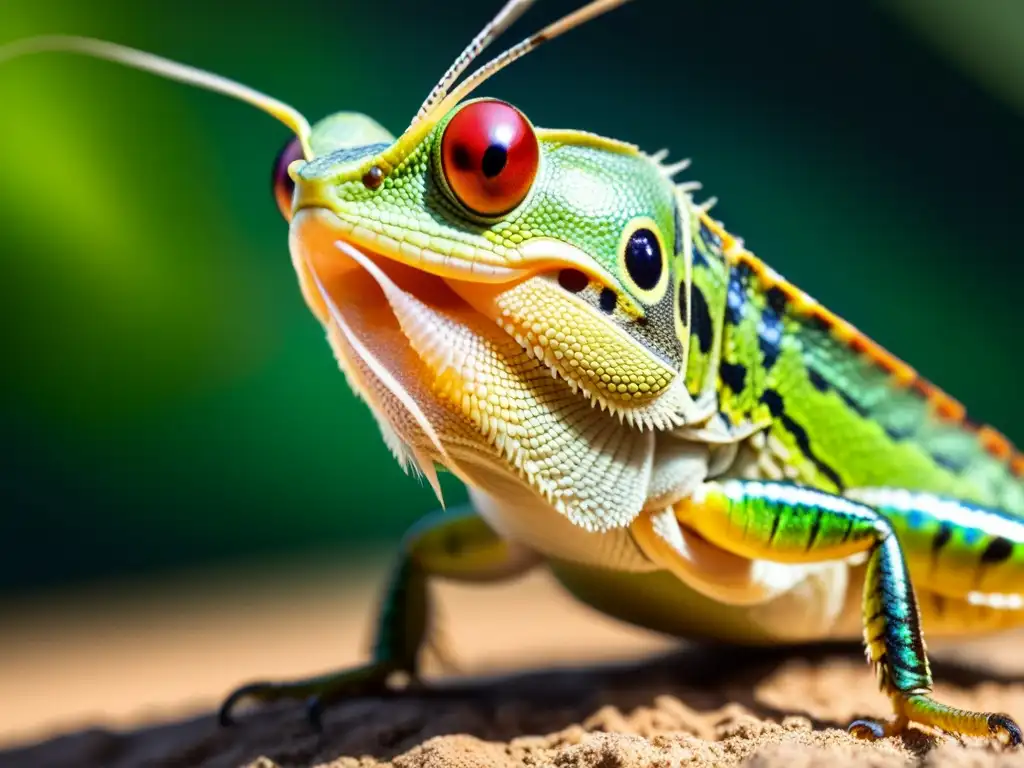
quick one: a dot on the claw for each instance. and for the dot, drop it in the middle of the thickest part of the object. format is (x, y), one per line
(315, 713)
(318, 692)
(965, 723)
(1000, 722)
(868, 729)
(224, 716)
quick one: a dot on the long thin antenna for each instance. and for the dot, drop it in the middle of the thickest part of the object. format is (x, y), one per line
(571, 21)
(172, 70)
(505, 18)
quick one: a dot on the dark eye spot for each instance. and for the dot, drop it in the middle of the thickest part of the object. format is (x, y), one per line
(643, 259)
(494, 160)
(608, 300)
(573, 280)
(373, 178)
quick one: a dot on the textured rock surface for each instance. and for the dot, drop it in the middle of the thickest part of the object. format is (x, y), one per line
(710, 708)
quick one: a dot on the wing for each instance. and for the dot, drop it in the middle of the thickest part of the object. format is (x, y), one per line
(844, 412)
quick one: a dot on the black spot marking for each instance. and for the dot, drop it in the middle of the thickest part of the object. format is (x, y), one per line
(819, 323)
(776, 299)
(848, 531)
(700, 319)
(776, 406)
(608, 300)
(908, 666)
(494, 160)
(769, 337)
(942, 537)
(770, 329)
(852, 404)
(644, 261)
(683, 305)
(899, 433)
(775, 527)
(699, 259)
(998, 550)
(880, 613)
(710, 237)
(953, 464)
(821, 384)
(677, 246)
(773, 400)
(734, 375)
(817, 380)
(815, 528)
(735, 298)
(573, 280)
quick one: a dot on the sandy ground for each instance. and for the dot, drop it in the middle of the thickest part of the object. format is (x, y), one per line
(126, 676)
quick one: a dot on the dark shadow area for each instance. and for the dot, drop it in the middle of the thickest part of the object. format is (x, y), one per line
(705, 679)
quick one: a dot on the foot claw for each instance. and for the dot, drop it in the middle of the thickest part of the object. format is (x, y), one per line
(1006, 724)
(319, 693)
(867, 729)
(315, 713)
(224, 715)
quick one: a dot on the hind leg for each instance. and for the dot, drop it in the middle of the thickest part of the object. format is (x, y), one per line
(786, 523)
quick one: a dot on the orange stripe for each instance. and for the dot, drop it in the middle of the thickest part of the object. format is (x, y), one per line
(1017, 464)
(946, 407)
(995, 443)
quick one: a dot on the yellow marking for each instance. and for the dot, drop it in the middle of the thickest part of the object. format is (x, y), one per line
(564, 331)
(586, 139)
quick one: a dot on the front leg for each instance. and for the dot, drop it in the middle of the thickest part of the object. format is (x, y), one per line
(452, 545)
(793, 524)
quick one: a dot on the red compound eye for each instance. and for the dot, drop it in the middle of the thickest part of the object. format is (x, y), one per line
(490, 155)
(282, 183)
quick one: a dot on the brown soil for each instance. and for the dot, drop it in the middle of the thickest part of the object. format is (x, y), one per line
(695, 707)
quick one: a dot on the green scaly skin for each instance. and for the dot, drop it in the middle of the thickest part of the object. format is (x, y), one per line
(820, 427)
(712, 454)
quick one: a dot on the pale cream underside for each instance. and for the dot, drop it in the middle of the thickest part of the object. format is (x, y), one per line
(543, 466)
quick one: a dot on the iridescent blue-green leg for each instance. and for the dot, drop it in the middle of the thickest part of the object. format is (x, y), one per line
(451, 545)
(787, 523)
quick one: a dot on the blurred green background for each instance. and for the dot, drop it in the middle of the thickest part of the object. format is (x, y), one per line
(166, 399)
